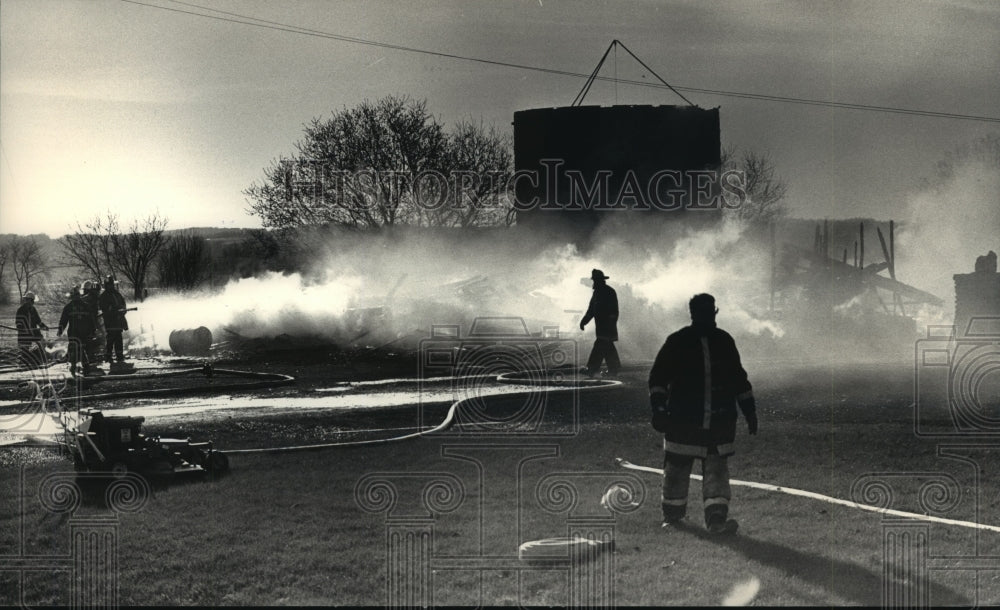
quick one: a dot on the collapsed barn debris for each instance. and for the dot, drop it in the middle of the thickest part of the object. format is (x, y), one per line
(849, 301)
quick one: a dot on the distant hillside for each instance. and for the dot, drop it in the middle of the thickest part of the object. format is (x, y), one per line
(214, 233)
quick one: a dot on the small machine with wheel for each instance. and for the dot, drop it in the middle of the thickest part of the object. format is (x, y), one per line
(116, 444)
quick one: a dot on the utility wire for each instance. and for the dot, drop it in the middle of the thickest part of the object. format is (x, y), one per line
(282, 27)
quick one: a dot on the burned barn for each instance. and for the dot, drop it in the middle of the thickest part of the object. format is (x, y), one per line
(842, 299)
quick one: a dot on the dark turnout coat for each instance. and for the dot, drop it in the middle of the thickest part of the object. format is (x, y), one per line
(603, 310)
(699, 368)
(79, 317)
(113, 310)
(29, 324)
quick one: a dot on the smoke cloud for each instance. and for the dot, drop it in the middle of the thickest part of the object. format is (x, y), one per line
(374, 290)
(951, 223)
(386, 290)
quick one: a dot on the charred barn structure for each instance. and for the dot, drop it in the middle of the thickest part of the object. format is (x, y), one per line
(584, 172)
(847, 300)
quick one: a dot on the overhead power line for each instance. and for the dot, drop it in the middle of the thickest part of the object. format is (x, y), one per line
(238, 18)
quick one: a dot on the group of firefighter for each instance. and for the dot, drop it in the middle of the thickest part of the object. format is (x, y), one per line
(89, 314)
(695, 386)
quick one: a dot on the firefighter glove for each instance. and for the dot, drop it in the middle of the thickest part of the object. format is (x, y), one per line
(660, 419)
(658, 404)
(749, 407)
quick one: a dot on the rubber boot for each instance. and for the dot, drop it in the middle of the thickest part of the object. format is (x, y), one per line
(717, 521)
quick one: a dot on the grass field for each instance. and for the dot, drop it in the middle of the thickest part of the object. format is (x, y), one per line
(289, 529)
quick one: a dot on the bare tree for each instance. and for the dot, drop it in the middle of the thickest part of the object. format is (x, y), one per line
(27, 261)
(136, 249)
(90, 246)
(100, 247)
(183, 262)
(384, 163)
(765, 189)
(480, 162)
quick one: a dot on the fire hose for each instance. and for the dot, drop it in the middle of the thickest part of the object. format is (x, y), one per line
(264, 380)
(278, 379)
(625, 464)
(449, 419)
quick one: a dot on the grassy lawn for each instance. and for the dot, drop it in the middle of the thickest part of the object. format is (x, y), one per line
(287, 528)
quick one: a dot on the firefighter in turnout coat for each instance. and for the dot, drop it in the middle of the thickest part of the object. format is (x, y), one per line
(113, 311)
(79, 322)
(695, 385)
(29, 332)
(603, 310)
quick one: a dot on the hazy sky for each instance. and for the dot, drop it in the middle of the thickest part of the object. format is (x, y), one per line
(105, 104)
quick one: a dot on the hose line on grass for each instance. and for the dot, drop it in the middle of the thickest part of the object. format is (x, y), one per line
(816, 496)
(449, 419)
(265, 380)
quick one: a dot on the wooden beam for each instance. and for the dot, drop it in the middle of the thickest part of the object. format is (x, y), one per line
(871, 277)
(826, 238)
(885, 252)
(903, 289)
(892, 266)
(892, 250)
(879, 297)
(861, 260)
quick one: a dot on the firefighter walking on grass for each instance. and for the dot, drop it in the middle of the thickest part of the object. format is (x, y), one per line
(603, 310)
(696, 382)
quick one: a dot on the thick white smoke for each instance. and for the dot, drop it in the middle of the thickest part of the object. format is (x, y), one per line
(263, 306)
(951, 223)
(376, 290)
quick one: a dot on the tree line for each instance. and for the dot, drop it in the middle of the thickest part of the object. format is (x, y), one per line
(381, 164)
(391, 162)
(137, 253)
